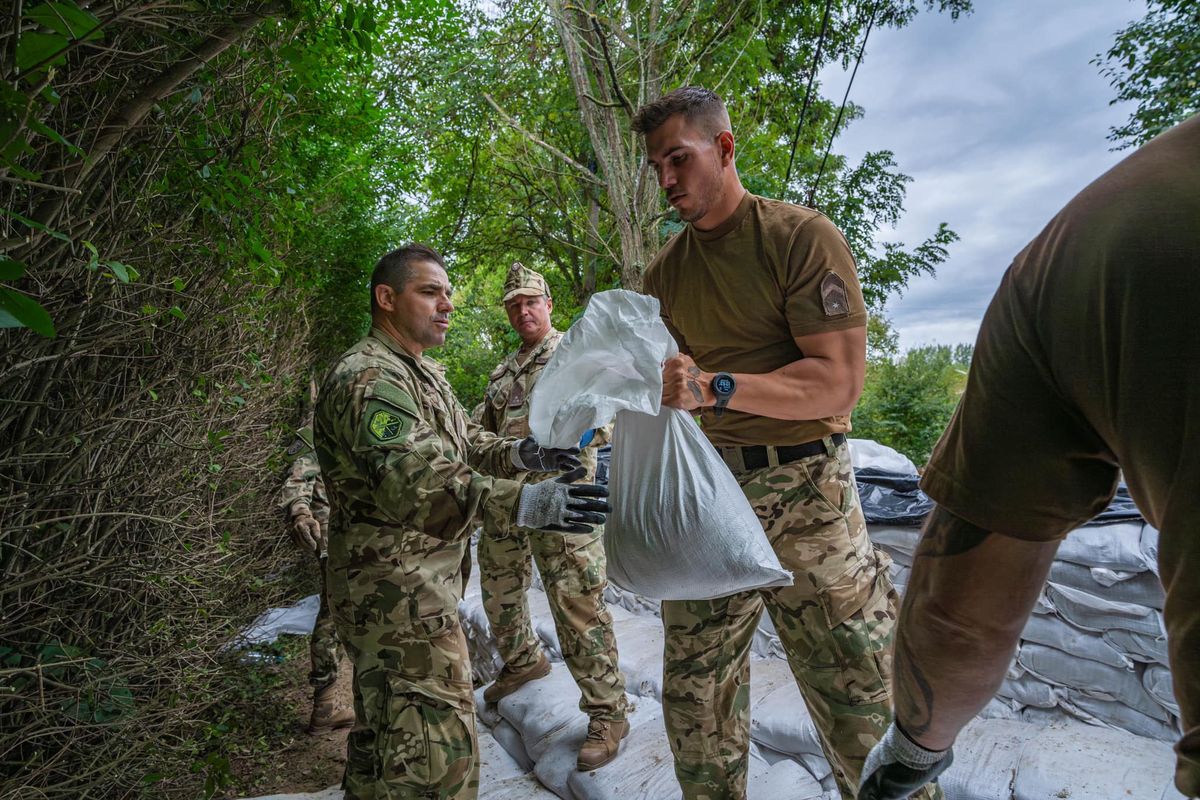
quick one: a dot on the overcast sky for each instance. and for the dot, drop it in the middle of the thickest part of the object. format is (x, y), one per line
(1000, 120)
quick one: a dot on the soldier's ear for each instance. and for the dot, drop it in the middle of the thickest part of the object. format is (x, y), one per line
(385, 297)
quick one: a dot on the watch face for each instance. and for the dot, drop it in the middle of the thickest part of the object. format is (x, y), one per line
(723, 384)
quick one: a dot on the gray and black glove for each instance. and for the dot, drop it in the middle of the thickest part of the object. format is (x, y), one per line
(897, 766)
(560, 505)
(527, 454)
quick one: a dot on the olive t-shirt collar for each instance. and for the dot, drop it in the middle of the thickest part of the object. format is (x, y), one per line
(731, 222)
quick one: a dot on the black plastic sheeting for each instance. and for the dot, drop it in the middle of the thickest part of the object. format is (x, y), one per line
(892, 498)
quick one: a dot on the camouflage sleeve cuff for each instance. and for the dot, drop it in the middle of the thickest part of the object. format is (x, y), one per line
(299, 508)
(501, 507)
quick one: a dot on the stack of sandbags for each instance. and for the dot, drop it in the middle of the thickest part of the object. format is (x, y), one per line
(1095, 647)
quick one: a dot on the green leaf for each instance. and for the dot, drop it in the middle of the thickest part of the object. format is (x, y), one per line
(35, 225)
(11, 270)
(33, 48)
(20, 311)
(177, 313)
(178, 284)
(118, 269)
(53, 135)
(68, 19)
(195, 94)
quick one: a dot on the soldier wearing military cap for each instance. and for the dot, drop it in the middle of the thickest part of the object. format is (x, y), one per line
(572, 567)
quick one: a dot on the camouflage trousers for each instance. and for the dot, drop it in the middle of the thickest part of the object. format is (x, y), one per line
(835, 623)
(323, 647)
(572, 569)
(415, 735)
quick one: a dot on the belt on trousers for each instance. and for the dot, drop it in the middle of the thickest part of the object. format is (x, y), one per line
(740, 459)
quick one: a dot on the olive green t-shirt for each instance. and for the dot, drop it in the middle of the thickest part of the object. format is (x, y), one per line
(736, 298)
(1088, 361)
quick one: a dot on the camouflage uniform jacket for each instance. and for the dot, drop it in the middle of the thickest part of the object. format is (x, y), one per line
(399, 456)
(303, 491)
(506, 401)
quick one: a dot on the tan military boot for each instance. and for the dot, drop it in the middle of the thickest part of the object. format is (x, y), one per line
(326, 716)
(508, 681)
(602, 743)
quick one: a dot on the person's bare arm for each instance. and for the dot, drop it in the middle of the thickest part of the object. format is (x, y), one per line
(968, 599)
(825, 383)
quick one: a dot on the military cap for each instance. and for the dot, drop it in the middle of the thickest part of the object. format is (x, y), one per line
(522, 280)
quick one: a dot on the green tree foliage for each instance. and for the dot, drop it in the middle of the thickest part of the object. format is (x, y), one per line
(530, 156)
(908, 400)
(191, 196)
(1155, 63)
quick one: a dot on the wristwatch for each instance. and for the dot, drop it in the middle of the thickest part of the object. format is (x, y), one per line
(723, 386)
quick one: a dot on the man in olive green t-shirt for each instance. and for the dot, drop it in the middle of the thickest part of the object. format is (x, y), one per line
(764, 301)
(1086, 366)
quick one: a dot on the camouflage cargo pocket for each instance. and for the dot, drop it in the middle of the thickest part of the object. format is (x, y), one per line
(860, 611)
(829, 481)
(430, 740)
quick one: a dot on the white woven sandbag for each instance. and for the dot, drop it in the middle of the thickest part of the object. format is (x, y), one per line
(986, 755)
(1115, 546)
(1157, 680)
(1091, 677)
(1087, 611)
(1053, 631)
(1139, 646)
(680, 528)
(1079, 761)
(1139, 588)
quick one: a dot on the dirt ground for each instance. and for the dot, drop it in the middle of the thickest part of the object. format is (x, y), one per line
(296, 761)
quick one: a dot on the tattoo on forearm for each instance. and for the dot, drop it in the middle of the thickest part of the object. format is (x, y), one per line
(914, 695)
(948, 535)
(694, 385)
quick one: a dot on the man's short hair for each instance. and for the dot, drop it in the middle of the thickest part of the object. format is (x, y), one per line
(699, 105)
(395, 268)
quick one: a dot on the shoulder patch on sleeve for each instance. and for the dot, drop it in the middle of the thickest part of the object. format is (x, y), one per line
(833, 295)
(390, 414)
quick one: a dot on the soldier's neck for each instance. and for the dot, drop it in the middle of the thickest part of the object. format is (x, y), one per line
(384, 325)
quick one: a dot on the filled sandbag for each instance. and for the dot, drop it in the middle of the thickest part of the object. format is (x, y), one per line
(538, 712)
(1029, 690)
(680, 528)
(1139, 646)
(1091, 677)
(778, 777)
(1119, 715)
(643, 771)
(986, 755)
(1157, 681)
(1075, 761)
(1115, 546)
(1087, 611)
(1053, 631)
(1138, 588)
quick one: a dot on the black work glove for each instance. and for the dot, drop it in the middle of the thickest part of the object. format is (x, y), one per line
(897, 766)
(527, 454)
(560, 505)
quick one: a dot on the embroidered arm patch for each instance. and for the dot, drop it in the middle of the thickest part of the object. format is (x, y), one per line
(833, 295)
(389, 416)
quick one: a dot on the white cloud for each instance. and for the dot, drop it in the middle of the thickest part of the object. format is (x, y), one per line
(1000, 119)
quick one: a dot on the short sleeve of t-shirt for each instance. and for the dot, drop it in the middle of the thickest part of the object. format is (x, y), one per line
(820, 281)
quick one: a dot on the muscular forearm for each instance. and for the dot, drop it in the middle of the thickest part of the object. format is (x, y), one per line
(812, 388)
(969, 596)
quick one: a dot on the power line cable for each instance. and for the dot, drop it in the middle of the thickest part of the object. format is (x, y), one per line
(807, 95)
(845, 97)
